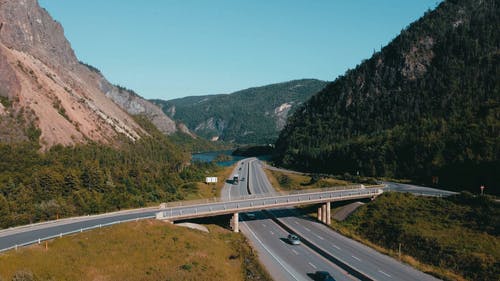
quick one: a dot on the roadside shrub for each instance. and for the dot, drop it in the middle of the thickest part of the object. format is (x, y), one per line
(23, 275)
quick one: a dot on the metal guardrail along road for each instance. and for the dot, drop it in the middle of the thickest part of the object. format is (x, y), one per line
(39, 240)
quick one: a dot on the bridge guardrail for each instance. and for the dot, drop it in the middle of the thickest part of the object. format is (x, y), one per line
(263, 195)
(254, 203)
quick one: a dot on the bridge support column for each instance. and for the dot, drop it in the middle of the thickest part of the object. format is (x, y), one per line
(324, 212)
(235, 222)
(328, 219)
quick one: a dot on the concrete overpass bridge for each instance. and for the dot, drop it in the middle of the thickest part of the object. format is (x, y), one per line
(206, 208)
(15, 237)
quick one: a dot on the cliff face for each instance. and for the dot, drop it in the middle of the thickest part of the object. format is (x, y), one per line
(43, 86)
(135, 105)
(30, 29)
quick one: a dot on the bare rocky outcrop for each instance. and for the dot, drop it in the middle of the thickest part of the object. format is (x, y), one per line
(418, 58)
(48, 87)
(281, 114)
(212, 123)
(136, 105)
(30, 29)
(184, 129)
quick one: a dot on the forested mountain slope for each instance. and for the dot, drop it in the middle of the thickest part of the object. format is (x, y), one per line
(255, 115)
(426, 105)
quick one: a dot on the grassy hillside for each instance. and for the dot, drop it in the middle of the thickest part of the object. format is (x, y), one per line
(283, 181)
(457, 236)
(251, 116)
(427, 104)
(146, 250)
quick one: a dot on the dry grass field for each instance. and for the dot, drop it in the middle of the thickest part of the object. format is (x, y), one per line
(144, 250)
(283, 181)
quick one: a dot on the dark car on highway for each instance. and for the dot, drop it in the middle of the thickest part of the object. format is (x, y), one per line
(293, 239)
(323, 276)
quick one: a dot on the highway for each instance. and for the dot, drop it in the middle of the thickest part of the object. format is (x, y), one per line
(283, 260)
(373, 264)
(23, 235)
(417, 190)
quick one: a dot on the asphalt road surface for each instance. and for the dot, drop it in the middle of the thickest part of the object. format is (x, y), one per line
(283, 260)
(417, 190)
(23, 234)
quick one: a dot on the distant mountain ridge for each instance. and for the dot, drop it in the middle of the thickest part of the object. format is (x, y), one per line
(46, 93)
(253, 115)
(427, 106)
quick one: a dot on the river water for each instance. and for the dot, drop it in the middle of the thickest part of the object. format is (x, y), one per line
(211, 155)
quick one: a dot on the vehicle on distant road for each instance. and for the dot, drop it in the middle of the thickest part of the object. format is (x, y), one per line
(235, 179)
(250, 215)
(323, 276)
(293, 239)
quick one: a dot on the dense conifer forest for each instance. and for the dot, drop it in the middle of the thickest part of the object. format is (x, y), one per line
(426, 107)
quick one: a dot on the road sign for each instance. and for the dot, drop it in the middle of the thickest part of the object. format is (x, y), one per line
(211, 179)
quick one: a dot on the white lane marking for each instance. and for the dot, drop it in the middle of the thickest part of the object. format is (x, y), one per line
(336, 247)
(295, 252)
(271, 253)
(320, 237)
(356, 258)
(296, 222)
(312, 265)
(307, 228)
(264, 225)
(384, 273)
(272, 233)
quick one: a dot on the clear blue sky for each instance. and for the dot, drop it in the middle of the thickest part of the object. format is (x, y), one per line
(174, 48)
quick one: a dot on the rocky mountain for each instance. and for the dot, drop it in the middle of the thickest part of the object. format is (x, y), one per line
(135, 105)
(46, 93)
(254, 115)
(426, 107)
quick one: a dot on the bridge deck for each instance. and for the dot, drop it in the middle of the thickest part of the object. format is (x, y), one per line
(252, 204)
